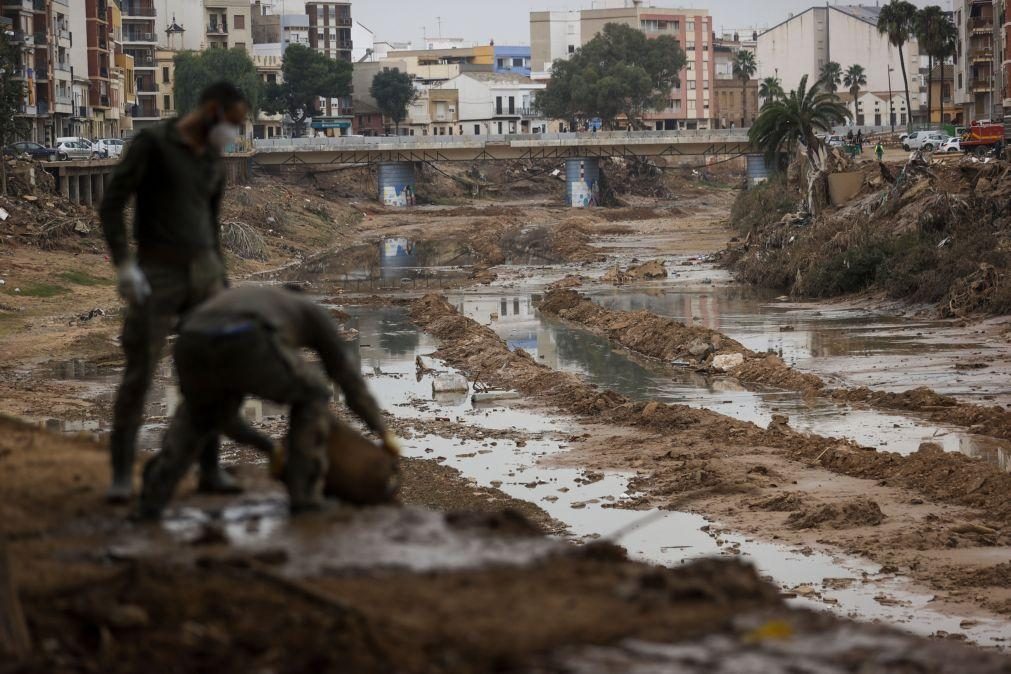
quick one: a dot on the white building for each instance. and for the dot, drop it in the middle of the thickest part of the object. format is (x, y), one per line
(847, 35)
(553, 35)
(495, 103)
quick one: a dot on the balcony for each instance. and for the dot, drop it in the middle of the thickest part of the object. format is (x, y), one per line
(343, 21)
(39, 5)
(981, 87)
(139, 36)
(980, 25)
(22, 38)
(139, 62)
(135, 9)
(63, 99)
(217, 29)
(41, 39)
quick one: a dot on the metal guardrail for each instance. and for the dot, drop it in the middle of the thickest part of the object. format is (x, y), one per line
(395, 143)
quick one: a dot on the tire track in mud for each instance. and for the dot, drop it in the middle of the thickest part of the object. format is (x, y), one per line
(942, 477)
(668, 340)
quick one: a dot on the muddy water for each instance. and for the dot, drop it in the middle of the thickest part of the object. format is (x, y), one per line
(389, 346)
(513, 317)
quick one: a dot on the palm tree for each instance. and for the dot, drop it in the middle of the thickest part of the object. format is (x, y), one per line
(854, 78)
(896, 20)
(770, 89)
(795, 118)
(937, 36)
(831, 75)
(744, 69)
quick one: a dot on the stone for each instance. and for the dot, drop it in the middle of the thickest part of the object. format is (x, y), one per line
(728, 361)
(700, 349)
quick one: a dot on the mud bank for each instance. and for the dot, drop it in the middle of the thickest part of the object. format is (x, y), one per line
(671, 341)
(685, 457)
(234, 586)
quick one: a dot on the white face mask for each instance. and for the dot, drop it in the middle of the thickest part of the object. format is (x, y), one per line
(222, 135)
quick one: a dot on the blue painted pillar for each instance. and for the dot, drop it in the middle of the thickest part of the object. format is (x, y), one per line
(396, 184)
(582, 182)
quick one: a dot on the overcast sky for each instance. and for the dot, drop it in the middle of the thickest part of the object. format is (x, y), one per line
(509, 22)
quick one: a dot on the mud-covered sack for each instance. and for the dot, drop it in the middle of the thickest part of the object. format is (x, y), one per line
(360, 471)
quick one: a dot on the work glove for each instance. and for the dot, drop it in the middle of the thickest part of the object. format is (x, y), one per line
(132, 284)
(391, 444)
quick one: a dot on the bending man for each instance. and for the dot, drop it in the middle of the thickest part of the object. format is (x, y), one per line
(245, 342)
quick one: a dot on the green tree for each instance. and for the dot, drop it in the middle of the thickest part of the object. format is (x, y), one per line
(937, 36)
(620, 72)
(394, 92)
(12, 97)
(797, 118)
(770, 89)
(854, 78)
(831, 76)
(896, 20)
(308, 76)
(195, 71)
(745, 68)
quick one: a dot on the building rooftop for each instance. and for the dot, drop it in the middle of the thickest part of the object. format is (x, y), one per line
(868, 13)
(504, 78)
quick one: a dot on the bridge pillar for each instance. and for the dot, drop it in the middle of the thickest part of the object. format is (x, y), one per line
(582, 182)
(758, 169)
(396, 183)
(85, 189)
(73, 187)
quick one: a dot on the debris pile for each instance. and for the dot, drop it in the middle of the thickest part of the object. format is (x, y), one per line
(645, 271)
(939, 234)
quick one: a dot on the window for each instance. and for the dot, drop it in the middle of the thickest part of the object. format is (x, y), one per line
(498, 105)
(572, 49)
(240, 45)
(167, 103)
(500, 128)
(690, 26)
(239, 22)
(165, 75)
(518, 63)
(477, 129)
(512, 105)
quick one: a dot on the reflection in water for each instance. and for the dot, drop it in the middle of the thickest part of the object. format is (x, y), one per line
(563, 347)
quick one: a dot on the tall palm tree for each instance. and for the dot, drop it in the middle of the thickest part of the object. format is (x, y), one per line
(770, 89)
(745, 68)
(831, 76)
(854, 78)
(937, 36)
(897, 20)
(795, 118)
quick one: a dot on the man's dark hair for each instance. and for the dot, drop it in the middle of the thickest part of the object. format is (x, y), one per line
(224, 93)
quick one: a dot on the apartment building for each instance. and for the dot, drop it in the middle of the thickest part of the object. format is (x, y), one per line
(140, 41)
(847, 35)
(979, 72)
(433, 66)
(736, 104)
(330, 28)
(228, 24)
(488, 103)
(690, 104)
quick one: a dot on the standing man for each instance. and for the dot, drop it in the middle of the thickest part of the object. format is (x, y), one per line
(174, 172)
(879, 151)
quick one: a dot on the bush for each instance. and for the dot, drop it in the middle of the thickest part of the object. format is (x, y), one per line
(763, 205)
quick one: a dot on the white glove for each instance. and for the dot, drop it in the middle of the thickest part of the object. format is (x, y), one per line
(132, 284)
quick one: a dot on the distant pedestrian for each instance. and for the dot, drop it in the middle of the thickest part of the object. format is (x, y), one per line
(860, 141)
(879, 151)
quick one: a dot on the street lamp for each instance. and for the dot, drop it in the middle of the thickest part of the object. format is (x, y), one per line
(891, 114)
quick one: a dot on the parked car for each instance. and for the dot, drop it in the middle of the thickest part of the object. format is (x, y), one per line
(928, 141)
(110, 147)
(73, 148)
(952, 145)
(80, 143)
(835, 141)
(34, 150)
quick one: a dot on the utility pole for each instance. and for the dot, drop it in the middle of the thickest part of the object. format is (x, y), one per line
(891, 115)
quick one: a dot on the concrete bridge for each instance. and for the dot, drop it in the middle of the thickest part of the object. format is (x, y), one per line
(395, 156)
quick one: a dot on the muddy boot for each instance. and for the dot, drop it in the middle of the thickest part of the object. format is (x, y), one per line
(121, 489)
(214, 479)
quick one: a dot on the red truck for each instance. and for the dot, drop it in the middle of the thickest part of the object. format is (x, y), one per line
(982, 135)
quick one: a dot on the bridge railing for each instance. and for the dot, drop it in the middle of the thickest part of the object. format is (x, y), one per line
(394, 143)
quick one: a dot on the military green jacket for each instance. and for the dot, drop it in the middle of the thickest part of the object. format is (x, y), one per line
(178, 197)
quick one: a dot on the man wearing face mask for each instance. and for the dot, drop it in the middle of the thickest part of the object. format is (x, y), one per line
(174, 172)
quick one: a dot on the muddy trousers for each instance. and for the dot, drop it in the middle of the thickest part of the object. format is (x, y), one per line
(176, 289)
(216, 373)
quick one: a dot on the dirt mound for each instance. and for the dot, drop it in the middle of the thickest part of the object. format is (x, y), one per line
(641, 331)
(994, 576)
(780, 503)
(856, 513)
(937, 234)
(654, 269)
(772, 371)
